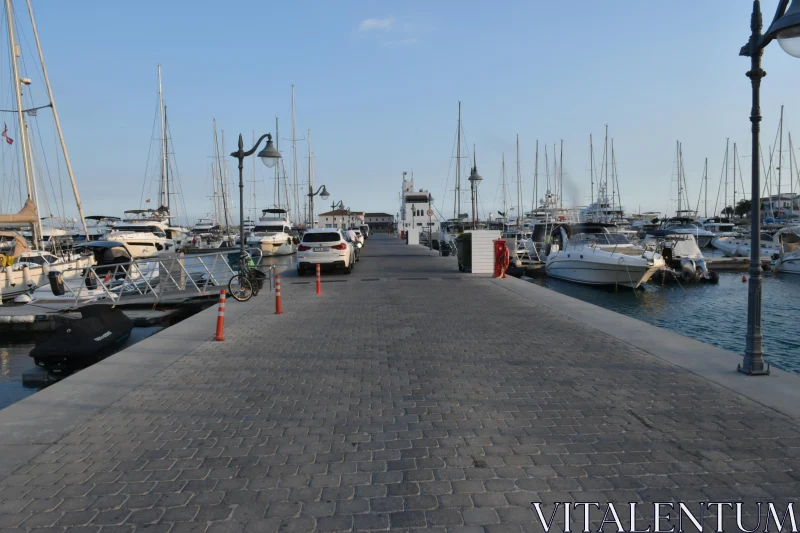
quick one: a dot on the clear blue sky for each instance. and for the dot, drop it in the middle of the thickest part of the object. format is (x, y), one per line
(381, 96)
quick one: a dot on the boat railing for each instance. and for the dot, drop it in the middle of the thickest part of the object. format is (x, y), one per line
(156, 278)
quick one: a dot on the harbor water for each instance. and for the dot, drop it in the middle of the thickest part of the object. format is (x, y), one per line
(714, 314)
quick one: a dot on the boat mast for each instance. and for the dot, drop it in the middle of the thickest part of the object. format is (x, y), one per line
(614, 190)
(727, 165)
(535, 180)
(458, 166)
(591, 171)
(792, 172)
(705, 176)
(26, 160)
(503, 177)
(222, 205)
(561, 176)
(310, 184)
(735, 156)
(166, 168)
(780, 162)
(58, 122)
(678, 169)
(164, 199)
(255, 205)
(277, 190)
(294, 156)
(519, 189)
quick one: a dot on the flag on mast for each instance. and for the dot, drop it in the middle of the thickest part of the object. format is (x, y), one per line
(8, 139)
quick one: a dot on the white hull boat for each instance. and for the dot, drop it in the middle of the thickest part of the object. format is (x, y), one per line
(740, 247)
(788, 260)
(142, 244)
(273, 234)
(601, 258)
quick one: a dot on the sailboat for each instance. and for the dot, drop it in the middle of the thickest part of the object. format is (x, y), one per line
(148, 232)
(23, 269)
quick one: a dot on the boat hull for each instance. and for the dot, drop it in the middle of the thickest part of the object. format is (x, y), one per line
(273, 246)
(788, 266)
(601, 273)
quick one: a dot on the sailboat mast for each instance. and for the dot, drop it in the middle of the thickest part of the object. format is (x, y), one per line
(591, 170)
(727, 165)
(503, 177)
(277, 190)
(166, 167)
(164, 199)
(58, 122)
(20, 117)
(780, 163)
(458, 166)
(792, 168)
(310, 184)
(705, 176)
(226, 184)
(678, 169)
(519, 189)
(255, 205)
(294, 157)
(561, 176)
(535, 180)
(613, 180)
(735, 156)
(220, 199)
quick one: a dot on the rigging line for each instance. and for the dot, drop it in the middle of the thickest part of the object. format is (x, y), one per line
(149, 153)
(47, 168)
(450, 167)
(58, 166)
(741, 179)
(719, 188)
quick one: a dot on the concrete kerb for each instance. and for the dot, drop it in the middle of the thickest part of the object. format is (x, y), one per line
(38, 421)
(780, 391)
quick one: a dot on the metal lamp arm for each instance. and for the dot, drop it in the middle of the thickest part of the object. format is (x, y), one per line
(756, 25)
(242, 154)
(320, 188)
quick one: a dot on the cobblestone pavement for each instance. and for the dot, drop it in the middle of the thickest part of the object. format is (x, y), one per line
(407, 396)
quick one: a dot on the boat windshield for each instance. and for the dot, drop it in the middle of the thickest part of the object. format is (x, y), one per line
(271, 228)
(599, 239)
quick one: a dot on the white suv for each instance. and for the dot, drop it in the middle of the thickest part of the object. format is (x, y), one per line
(326, 247)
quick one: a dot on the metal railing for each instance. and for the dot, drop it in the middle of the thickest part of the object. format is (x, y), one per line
(157, 278)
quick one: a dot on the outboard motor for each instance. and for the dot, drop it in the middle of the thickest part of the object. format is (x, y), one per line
(56, 283)
(688, 268)
(91, 280)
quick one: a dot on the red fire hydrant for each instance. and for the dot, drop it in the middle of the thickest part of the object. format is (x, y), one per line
(502, 258)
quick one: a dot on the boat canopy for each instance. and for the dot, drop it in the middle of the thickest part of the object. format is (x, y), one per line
(274, 211)
(787, 235)
(100, 218)
(26, 215)
(20, 244)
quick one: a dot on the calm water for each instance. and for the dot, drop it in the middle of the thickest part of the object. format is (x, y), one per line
(14, 360)
(714, 314)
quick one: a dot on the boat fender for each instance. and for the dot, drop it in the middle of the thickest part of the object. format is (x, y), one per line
(744, 278)
(56, 283)
(91, 280)
(46, 269)
(26, 275)
(9, 271)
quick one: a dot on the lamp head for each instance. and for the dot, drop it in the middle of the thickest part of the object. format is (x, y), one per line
(269, 155)
(324, 194)
(786, 29)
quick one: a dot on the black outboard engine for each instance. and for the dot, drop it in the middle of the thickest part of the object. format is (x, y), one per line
(91, 280)
(56, 283)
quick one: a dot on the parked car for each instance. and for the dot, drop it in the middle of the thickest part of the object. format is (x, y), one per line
(326, 247)
(365, 230)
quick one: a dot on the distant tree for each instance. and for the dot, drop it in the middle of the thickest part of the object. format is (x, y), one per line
(743, 207)
(728, 211)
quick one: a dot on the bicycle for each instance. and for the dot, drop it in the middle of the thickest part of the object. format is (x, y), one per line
(245, 284)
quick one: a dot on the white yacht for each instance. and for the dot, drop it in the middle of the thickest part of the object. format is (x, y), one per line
(592, 255)
(683, 225)
(145, 234)
(788, 261)
(720, 227)
(97, 230)
(273, 233)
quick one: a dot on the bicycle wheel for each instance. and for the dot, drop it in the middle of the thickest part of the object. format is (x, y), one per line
(240, 288)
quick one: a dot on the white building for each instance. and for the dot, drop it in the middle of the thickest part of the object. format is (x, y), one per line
(379, 221)
(340, 219)
(414, 207)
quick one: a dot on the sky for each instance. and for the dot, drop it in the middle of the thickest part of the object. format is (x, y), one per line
(378, 84)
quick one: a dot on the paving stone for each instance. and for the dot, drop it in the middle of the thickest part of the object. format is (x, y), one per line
(390, 423)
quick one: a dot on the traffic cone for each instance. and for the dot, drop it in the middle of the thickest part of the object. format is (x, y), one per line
(278, 305)
(319, 281)
(221, 316)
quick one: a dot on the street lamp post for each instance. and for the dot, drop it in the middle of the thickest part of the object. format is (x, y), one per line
(324, 195)
(786, 28)
(334, 207)
(269, 156)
